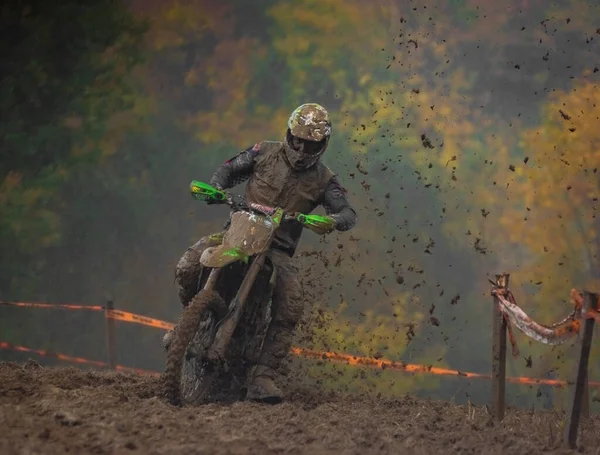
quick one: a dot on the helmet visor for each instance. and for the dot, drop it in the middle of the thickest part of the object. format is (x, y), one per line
(306, 146)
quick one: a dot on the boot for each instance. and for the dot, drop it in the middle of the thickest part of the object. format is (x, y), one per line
(262, 387)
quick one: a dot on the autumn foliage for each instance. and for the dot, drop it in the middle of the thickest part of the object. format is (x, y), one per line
(465, 131)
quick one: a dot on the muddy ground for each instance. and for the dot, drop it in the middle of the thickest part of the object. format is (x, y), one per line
(66, 410)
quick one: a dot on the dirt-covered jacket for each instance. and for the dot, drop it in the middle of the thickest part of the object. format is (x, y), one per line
(272, 181)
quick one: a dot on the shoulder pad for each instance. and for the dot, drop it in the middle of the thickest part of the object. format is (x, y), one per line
(253, 150)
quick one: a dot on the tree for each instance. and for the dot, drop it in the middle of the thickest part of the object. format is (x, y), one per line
(62, 82)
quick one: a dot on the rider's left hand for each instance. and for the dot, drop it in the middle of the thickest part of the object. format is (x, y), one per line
(323, 228)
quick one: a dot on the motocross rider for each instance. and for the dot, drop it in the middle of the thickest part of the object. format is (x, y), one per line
(289, 175)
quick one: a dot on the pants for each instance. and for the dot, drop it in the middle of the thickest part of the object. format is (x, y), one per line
(288, 304)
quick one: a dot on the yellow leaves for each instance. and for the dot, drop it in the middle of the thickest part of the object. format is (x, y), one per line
(313, 17)
(293, 46)
(229, 79)
(279, 120)
(572, 127)
(322, 27)
(551, 215)
(366, 78)
(372, 335)
(372, 332)
(567, 145)
(229, 76)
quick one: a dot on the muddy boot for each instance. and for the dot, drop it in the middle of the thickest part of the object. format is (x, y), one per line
(263, 388)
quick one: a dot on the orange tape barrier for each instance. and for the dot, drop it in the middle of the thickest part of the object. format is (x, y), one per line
(113, 314)
(68, 358)
(416, 368)
(337, 357)
(138, 319)
(53, 305)
(309, 353)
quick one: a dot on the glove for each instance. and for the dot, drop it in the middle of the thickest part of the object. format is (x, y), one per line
(215, 201)
(207, 193)
(319, 224)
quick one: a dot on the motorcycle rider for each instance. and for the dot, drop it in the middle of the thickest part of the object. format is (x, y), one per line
(289, 175)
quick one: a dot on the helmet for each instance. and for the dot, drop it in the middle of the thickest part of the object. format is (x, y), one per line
(308, 133)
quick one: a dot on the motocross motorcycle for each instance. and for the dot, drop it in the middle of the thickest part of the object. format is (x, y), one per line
(219, 335)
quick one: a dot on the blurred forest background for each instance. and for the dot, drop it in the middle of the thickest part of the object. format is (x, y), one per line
(466, 132)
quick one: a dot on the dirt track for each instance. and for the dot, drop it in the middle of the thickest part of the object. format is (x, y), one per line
(57, 411)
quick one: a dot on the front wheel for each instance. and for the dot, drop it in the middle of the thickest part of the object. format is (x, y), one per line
(184, 333)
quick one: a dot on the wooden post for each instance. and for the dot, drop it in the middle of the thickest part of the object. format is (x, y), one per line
(590, 301)
(110, 335)
(499, 354)
(585, 404)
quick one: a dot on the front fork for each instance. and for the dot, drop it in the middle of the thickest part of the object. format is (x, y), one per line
(211, 282)
(219, 347)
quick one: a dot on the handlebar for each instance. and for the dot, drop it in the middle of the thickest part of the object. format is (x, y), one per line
(211, 195)
(204, 192)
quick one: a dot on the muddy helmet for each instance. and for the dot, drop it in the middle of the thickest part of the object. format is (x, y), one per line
(308, 133)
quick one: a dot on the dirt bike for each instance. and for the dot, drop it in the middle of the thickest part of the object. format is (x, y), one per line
(219, 335)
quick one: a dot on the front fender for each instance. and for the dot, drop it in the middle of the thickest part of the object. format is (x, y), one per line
(222, 256)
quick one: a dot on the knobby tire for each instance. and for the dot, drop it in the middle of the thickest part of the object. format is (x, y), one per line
(185, 331)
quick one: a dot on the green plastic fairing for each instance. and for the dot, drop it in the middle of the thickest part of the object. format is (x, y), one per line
(317, 221)
(236, 253)
(205, 192)
(277, 217)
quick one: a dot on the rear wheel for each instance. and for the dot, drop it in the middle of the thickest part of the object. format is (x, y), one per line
(184, 333)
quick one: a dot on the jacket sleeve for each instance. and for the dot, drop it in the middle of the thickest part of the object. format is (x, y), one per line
(337, 206)
(235, 170)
